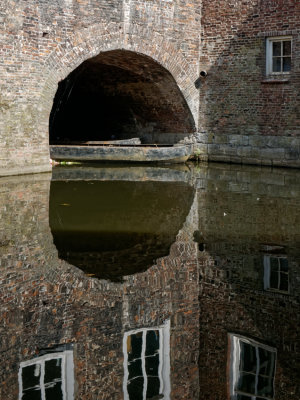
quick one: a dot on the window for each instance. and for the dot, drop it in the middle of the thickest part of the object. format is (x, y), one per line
(147, 363)
(276, 273)
(252, 367)
(49, 377)
(279, 55)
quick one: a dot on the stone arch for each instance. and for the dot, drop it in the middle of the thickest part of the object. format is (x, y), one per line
(103, 37)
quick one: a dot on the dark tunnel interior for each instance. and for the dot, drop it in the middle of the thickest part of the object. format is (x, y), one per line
(118, 95)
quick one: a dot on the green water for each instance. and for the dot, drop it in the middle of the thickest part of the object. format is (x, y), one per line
(121, 282)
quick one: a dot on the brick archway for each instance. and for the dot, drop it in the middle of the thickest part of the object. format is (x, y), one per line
(102, 37)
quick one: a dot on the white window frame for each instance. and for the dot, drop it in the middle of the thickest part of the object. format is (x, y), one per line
(67, 367)
(269, 53)
(235, 355)
(267, 273)
(164, 359)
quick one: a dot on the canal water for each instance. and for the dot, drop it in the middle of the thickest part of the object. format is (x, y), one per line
(126, 282)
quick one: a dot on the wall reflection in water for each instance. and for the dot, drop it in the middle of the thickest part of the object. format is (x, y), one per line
(211, 312)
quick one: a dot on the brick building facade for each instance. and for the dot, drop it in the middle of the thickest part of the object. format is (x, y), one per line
(248, 110)
(148, 57)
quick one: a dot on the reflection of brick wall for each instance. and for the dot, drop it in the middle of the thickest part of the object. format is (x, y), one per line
(46, 302)
(169, 290)
(241, 212)
(232, 299)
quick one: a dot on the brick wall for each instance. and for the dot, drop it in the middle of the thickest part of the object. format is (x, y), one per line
(41, 44)
(246, 116)
(241, 116)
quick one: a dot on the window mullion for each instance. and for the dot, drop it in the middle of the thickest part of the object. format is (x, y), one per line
(63, 376)
(161, 358)
(144, 364)
(257, 369)
(281, 57)
(42, 380)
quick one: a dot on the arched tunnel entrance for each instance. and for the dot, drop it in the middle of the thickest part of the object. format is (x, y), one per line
(119, 95)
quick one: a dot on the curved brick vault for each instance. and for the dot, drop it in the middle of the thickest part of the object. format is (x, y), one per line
(157, 61)
(48, 59)
(119, 94)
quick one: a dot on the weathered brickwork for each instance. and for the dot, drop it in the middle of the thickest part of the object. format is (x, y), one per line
(41, 44)
(245, 115)
(241, 115)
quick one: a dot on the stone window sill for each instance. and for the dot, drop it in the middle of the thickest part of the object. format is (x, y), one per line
(275, 81)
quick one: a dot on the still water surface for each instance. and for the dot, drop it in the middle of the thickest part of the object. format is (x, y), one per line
(150, 283)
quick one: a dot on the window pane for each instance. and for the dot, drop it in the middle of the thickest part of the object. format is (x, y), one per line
(153, 388)
(276, 49)
(274, 282)
(276, 64)
(134, 346)
(243, 397)
(266, 362)
(248, 358)
(265, 387)
(54, 392)
(284, 282)
(152, 342)
(152, 364)
(53, 370)
(246, 383)
(284, 265)
(32, 395)
(31, 376)
(135, 389)
(274, 263)
(135, 369)
(287, 47)
(287, 64)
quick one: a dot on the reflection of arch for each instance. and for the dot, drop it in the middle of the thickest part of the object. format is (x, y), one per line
(119, 94)
(99, 38)
(115, 228)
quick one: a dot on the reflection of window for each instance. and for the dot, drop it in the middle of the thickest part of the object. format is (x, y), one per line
(276, 273)
(48, 377)
(252, 369)
(279, 55)
(146, 363)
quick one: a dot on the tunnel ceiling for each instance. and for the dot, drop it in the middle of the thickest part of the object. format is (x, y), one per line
(118, 94)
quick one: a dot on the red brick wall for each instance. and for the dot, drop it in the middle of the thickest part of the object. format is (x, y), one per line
(41, 44)
(238, 103)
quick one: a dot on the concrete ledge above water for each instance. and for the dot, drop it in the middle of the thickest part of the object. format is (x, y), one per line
(171, 154)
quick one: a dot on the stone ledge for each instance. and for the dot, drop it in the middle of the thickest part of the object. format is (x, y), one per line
(23, 170)
(275, 81)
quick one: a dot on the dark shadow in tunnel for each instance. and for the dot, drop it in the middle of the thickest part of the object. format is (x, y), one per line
(118, 95)
(111, 229)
